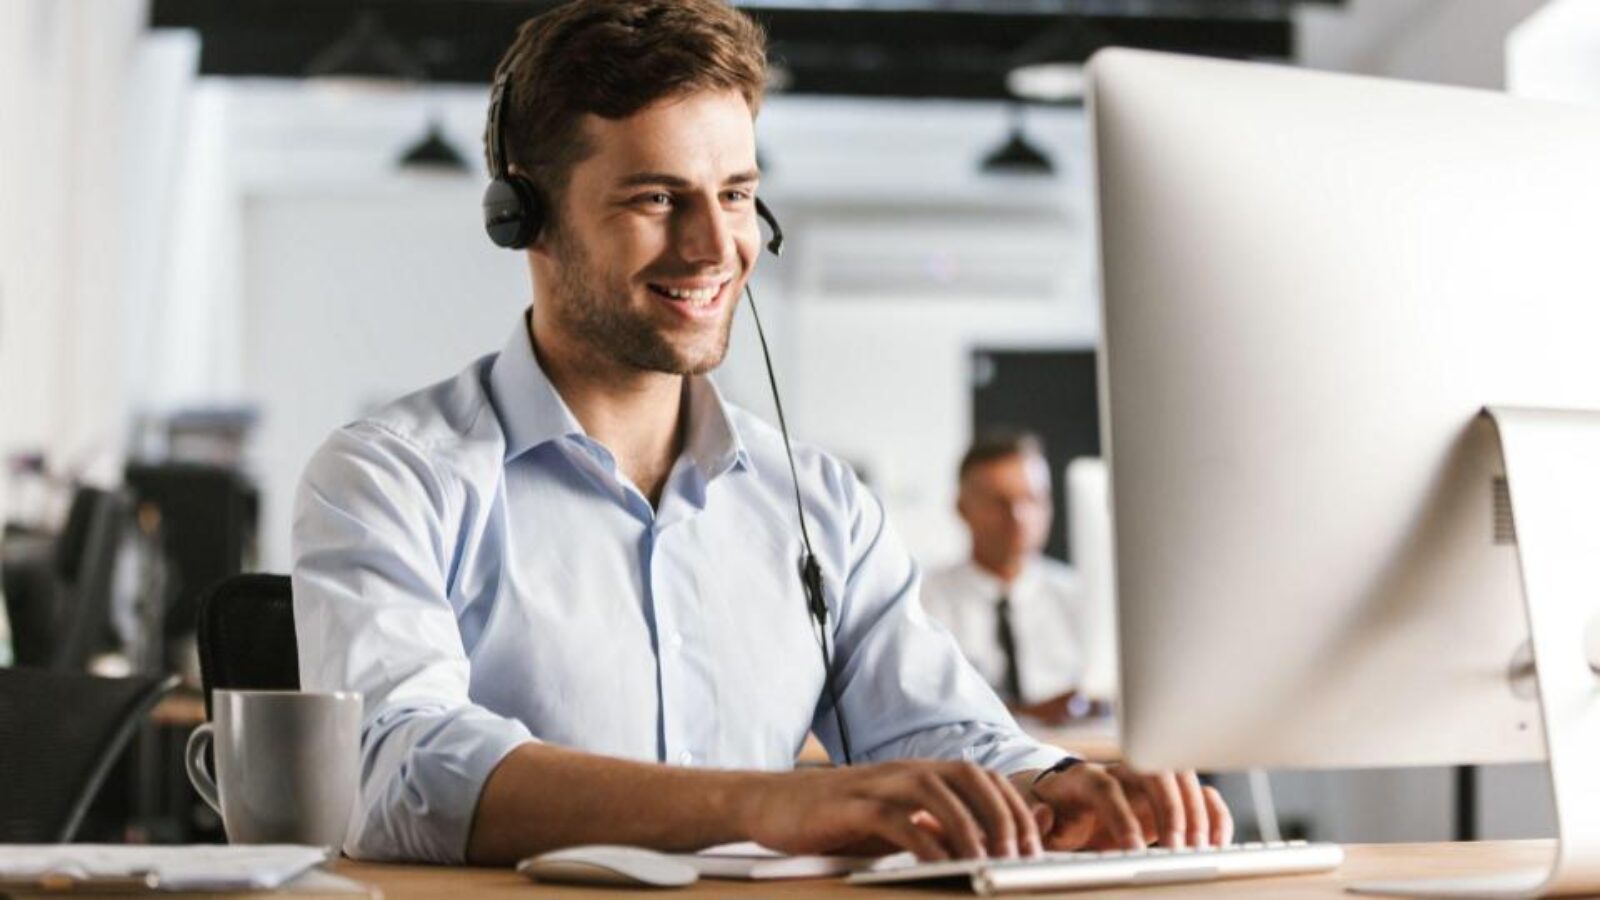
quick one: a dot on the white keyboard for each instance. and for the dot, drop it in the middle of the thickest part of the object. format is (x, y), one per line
(1066, 871)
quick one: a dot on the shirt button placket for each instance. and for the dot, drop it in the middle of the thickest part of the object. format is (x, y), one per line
(668, 657)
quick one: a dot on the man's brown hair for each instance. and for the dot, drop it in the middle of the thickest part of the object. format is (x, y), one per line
(613, 58)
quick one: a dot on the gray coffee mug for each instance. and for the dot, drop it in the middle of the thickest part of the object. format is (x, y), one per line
(287, 765)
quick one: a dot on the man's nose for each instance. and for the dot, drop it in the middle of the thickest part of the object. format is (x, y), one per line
(705, 234)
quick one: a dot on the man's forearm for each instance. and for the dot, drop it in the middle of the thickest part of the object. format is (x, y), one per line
(541, 797)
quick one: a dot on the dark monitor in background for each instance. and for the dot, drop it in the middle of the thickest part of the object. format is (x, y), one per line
(208, 517)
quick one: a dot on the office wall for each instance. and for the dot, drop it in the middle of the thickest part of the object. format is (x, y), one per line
(353, 296)
(72, 77)
(1555, 54)
(904, 366)
(1443, 41)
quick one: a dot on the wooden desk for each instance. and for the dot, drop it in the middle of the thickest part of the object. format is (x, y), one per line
(183, 708)
(1093, 739)
(1364, 862)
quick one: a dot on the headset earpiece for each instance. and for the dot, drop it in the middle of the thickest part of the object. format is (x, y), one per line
(513, 212)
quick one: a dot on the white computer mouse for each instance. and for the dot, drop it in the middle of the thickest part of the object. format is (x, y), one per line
(611, 865)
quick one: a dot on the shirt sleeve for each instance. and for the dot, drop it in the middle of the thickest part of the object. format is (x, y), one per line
(904, 686)
(373, 539)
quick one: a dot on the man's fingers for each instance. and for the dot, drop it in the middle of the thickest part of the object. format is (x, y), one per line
(895, 825)
(1105, 794)
(1044, 818)
(1166, 800)
(962, 832)
(1027, 828)
(1194, 807)
(983, 798)
(1221, 818)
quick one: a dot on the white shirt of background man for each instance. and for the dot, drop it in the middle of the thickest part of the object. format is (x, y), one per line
(1048, 619)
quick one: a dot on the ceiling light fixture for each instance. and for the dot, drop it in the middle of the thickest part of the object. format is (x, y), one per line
(366, 56)
(1017, 156)
(433, 152)
(1050, 68)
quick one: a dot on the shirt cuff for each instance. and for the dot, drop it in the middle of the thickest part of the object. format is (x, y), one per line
(1024, 755)
(425, 776)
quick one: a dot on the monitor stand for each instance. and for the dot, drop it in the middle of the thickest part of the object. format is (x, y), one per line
(1552, 462)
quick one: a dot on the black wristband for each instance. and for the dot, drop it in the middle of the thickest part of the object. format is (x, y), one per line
(1065, 764)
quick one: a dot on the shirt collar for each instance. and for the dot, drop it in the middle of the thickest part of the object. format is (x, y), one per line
(993, 587)
(714, 443)
(532, 412)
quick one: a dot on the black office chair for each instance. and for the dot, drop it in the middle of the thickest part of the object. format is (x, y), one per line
(58, 589)
(246, 636)
(60, 734)
(86, 562)
(33, 597)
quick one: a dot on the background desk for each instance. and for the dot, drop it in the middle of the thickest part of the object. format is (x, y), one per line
(1364, 862)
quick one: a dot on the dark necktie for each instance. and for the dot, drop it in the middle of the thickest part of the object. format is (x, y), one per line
(1008, 646)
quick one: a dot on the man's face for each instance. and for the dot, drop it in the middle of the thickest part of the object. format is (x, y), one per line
(657, 234)
(1006, 505)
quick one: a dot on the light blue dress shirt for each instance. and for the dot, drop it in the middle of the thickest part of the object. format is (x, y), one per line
(483, 574)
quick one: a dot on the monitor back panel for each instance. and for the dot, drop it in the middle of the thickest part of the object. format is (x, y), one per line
(1312, 285)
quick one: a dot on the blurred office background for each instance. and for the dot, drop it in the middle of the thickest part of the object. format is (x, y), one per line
(228, 227)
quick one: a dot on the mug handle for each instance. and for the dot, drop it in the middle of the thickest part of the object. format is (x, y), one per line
(194, 760)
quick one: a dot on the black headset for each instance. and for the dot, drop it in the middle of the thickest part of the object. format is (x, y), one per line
(514, 213)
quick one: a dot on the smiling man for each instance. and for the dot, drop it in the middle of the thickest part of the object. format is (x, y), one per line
(566, 581)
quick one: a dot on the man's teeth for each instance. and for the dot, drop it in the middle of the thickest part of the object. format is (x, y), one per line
(702, 296)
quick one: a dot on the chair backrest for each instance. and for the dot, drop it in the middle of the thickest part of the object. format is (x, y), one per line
(58, 588)
(86, 561)
(246, 635)
(61, 732)
(33, 597)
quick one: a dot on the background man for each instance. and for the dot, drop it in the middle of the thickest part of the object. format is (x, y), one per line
(565, 581)
(1018, 615)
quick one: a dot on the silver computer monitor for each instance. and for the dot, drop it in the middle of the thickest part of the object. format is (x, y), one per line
(1313, 283)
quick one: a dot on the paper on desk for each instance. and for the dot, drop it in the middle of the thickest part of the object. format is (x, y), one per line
(753, 862)
(195, 867)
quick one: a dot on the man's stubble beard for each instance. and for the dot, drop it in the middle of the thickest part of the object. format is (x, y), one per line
(609, 326)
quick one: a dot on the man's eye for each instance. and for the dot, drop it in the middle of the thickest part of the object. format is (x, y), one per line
(737, 196)
(656, 199)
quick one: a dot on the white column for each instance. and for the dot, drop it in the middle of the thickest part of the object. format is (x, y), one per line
(1555, 53)
(65, 224)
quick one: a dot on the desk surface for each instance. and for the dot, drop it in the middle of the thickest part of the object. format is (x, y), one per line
(183, 708)
(1364, 862)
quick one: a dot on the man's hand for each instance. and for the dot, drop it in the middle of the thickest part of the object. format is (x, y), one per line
(937, 810)
(1114, 807)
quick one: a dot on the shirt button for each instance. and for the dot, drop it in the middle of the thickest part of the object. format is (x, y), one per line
(686, 757)
(677, 639)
